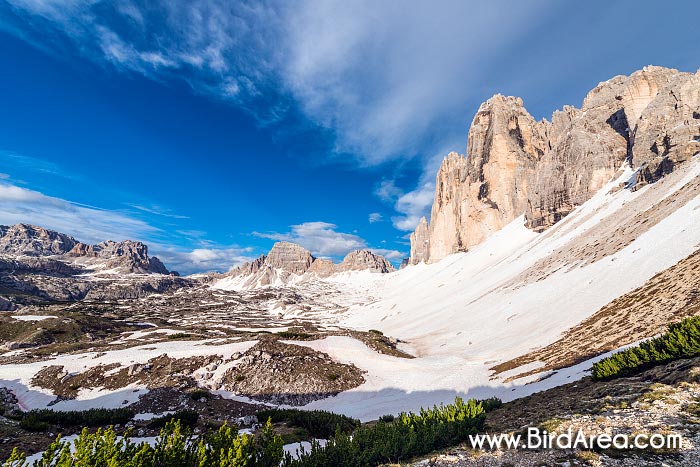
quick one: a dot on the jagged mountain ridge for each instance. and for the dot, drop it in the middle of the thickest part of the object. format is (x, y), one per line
(39, 265)
(288, 262)
(127, 256)
(516, 165)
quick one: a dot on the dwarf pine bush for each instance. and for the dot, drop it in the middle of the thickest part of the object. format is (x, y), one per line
(682, 340)
(391, 440)
(318, 423)
(41, 420)
(408, 435)
(175, 447)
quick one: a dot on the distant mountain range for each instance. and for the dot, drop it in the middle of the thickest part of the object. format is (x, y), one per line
(42, 264)
(289, 263)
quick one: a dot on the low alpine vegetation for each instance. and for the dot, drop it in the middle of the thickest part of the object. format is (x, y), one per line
(175, 447)
(41, 420)
(318, 423)
(407, 436)
(187, 418)
(682, 340)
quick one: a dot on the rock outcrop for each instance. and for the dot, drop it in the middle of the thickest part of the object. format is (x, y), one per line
(588, 145)
(516, 165)
(288, 263)
(364, 260)
(322, 268)
(30, 240)
(289, 257)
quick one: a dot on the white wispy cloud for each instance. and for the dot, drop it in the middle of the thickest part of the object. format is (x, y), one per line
(388, 191)
(384, 76)
(12, 160)
(412, 206)
(89, 224)
(375, 217)
(158, 211)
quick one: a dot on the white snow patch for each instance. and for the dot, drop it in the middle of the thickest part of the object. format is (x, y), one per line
(17, 377)
(32, 317)
(295, 449)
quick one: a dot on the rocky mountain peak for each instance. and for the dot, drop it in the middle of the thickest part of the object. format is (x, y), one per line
(289, 257)
(362, 260)
(31, 240)
(515, 165)
(130, 254)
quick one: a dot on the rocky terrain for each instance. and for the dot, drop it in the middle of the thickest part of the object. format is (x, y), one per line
(108, 326)
(515, 165)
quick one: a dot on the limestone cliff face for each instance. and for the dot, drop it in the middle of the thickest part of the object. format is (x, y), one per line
(588, 145)
(289, 257)
(515, 165)
(478, 194)
(322, 268)
(420, 243)
(667, 132)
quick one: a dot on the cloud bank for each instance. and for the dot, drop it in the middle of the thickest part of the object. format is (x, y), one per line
(383, 76)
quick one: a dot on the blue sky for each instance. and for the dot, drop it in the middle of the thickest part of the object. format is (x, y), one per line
(211, 129)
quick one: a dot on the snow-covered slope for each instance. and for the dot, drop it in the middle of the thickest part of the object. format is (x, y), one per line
(515, 292)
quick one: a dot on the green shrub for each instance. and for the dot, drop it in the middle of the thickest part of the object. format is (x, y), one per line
(682, 340)
(179, 335)
(41, 420)
(175, 447)
(490, 404)
(319, 423)
(198, 394)
(408, 436)
(187, 418)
